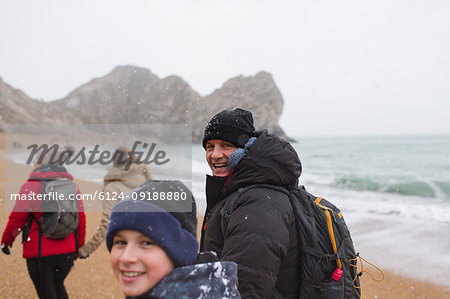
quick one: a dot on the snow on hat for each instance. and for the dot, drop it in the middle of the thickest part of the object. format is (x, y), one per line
(233, 125)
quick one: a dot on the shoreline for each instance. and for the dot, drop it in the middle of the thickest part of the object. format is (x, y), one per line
(93, 277)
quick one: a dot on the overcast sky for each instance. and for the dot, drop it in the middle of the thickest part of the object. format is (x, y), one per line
(343, 67)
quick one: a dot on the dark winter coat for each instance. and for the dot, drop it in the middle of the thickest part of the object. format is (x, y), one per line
(208, 281)
(261, 234)
(18, 219)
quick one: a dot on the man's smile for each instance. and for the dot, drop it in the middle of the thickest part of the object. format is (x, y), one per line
(220, 165)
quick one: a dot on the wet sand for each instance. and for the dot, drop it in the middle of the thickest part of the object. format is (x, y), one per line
(93, 278)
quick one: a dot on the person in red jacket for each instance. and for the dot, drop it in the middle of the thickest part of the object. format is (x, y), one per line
(50, 263)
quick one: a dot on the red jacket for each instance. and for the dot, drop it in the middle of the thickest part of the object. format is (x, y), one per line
(18, 220)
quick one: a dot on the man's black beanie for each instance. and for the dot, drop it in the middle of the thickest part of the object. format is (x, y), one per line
(234, 125)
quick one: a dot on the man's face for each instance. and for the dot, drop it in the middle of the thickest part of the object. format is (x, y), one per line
(217, 153)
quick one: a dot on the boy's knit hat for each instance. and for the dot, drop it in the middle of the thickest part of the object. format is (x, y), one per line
(233, 125)
(175, 236)
(178, 200)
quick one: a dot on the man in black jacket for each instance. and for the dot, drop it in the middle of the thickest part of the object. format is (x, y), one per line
(260, 232)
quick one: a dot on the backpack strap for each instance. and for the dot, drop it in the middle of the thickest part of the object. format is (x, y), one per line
(44, 182)
(328, 215)
(75, 235)
(40, 234)
(26, 229)
(295, 206)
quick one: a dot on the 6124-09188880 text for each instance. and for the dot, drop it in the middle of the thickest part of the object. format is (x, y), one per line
(154, 196)
(114, 196)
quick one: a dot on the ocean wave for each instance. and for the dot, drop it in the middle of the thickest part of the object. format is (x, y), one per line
(421, 188)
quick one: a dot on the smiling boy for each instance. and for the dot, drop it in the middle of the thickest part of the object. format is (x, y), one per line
(153, 252)
(138, 262)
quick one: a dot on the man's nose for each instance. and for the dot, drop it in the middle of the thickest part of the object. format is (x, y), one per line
(217, 153)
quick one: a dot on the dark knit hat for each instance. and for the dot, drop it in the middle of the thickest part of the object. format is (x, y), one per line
(233, 125)
(174, 232)
(178, 201)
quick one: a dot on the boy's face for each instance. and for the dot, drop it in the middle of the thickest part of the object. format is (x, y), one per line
(138, 262)
(217, 153)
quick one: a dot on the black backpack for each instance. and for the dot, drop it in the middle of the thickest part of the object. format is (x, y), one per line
(328, 268)
(59, 217)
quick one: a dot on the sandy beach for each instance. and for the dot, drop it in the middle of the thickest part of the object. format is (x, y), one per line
(93, 278)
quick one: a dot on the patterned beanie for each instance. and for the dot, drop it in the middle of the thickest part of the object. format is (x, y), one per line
(240, 153)
(139, 214)
(233, 125)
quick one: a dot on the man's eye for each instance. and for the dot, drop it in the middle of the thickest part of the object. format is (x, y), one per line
(209, 147)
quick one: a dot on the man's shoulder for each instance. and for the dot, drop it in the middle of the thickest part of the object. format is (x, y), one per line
(262, 194)
(256, 189)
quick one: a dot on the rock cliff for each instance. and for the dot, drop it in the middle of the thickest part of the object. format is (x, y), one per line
(17, 108)
(131, 94)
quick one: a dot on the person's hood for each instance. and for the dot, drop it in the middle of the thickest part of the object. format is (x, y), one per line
(50, 172)
(131, 177)
(207, 280)
(270, 160)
